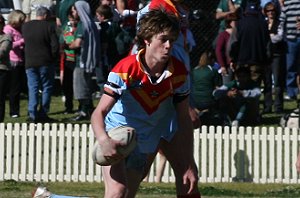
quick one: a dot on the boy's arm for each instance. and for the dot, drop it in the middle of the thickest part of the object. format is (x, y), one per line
(108, 145)
(185, 126)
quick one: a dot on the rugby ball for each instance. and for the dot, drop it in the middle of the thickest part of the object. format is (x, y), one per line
(126, 135)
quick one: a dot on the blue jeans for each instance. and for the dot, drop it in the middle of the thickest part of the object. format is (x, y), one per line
(275, 69)
(39, 78)
(292, 66)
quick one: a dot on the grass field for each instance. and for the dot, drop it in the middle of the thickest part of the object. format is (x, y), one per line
(11, 189)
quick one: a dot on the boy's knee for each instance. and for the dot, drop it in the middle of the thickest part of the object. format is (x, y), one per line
(116, 191)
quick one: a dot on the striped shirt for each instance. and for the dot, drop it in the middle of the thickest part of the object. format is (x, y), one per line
(289, 16)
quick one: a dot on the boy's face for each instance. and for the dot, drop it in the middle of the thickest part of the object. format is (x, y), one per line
(159, 47)
(100, 17)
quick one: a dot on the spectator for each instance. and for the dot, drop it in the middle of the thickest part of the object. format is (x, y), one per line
(290, 28)
(205, 79)
(276, 68)
(239, 98)
(30, 7)
(87, 43)
(225, 9)
(5, 47)
(62, 7)
(62, 10)
(111, 3)
(252, 31)
(222, 52)
(68, 61)
(125, 102)
(17, 74)
(41, 53)
(128, 11)
(108, 32)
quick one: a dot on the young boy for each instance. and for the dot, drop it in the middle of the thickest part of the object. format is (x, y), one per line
(145, 91)
(108, 31)
(67, 62)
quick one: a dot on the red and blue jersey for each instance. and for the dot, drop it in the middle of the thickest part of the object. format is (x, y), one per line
(145, 105)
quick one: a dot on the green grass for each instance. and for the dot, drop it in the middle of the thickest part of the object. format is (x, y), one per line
(56, 111)
(11, 189)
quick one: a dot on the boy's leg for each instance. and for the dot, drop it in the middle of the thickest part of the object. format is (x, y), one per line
(179, 164)
(115, 180)
(123, 179)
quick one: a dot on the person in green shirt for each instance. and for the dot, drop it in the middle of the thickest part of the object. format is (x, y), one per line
(205, 79)
(67, 61)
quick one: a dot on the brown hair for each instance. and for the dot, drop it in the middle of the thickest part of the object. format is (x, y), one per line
(105, 10)
(206, 58)
(271, 4)
(16, 18)
(154, 22)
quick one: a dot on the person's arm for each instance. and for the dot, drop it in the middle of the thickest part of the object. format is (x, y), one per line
(275, 38)
(220, 49)
(5, 47)
(75, 44)
(185, 125)
(222, 15)
(108, 145)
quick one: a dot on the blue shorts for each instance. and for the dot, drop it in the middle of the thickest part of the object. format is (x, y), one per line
(136, 160)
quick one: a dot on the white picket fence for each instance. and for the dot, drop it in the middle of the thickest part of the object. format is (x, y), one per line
(61, 152)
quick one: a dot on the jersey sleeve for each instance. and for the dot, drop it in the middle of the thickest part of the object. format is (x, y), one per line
(114, 86)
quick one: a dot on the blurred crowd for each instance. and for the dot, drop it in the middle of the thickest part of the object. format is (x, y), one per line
(256, 52)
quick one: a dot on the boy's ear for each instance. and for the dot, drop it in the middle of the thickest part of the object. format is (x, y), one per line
(147, 42)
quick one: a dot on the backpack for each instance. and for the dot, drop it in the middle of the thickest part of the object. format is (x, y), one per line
(290, 120)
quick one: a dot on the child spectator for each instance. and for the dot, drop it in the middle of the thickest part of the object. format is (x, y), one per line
(108, 33)
(239, 98)
(68, 61)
